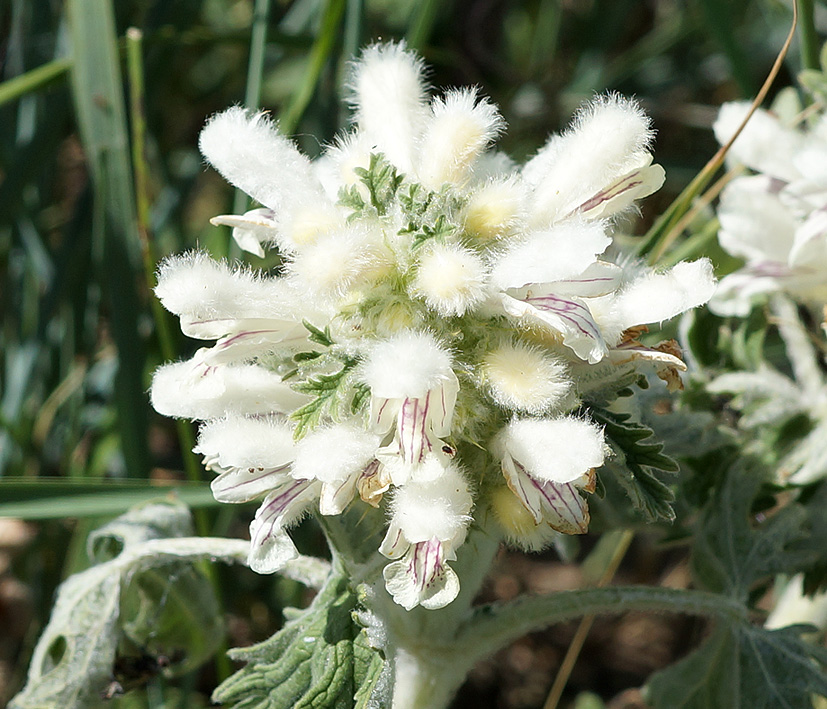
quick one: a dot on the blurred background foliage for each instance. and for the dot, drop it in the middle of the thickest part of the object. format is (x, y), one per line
(100, 177)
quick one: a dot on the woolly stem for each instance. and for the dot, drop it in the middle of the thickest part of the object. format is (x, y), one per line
(495, 625)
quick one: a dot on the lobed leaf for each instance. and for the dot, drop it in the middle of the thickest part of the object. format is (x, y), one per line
(319, 659)
(734, 549)
(636, 460)
(744, 667)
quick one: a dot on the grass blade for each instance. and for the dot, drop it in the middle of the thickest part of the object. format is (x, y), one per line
(33, 80)
(44, 498)
(98, 96)
(319, 54)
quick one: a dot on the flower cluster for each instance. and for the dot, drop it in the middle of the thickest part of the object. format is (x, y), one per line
(437, 308)
(776, 217)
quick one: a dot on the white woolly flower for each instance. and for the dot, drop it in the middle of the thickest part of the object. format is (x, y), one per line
(252, 457)
(343, 459)
(412, 254)
(413, 392)
(270, 546)
(460, 127)
(597, 168)
(337, 166)
(775, 220)
(303, 223)
(523, 378)
(764, 144)
(429, 522)
(243, 311)
(249, 455)
(195, 390)
(252, 155)
(337, 261)
(251, 229)
(451, 279)
(545, 462)
(390, 102)
(657, 296)
(552, 292)
(784, 250)
(585, 299)
(495, 209)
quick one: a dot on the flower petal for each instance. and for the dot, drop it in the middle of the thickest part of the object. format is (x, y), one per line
(555, 254)
(194, 390)
(557, 504)
(600, 278)
(755, 223)
(568, 316)
(245, 484)
(655, 297)
(624, 191)
(394, 545)
(250, 229)
(270, 547)
(422, 577)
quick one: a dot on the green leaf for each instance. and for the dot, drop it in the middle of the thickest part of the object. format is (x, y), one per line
(635, 462)
(101, 618)
(320, 337)
(319, 659)
(381, 179)
(734, 549)
(744, 667)
(350, 197)
(330, 392)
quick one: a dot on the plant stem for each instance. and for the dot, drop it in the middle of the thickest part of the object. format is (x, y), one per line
(135, 71)
(669, 226)
(495, 625)
(320, 52)
(422, 23)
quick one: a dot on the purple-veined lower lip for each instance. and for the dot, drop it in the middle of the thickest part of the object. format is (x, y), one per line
(225, 342)
(560, 498)
(426, 556)
(413, 439)
(271, 513)
(252, 476)
(769, 269)
(577, 314)
(627, 183)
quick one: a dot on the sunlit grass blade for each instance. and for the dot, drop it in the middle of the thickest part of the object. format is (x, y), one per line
(810, 43)
(33, 80)
(354, 29)
(55, 499)
(320, 52)
(424, 18)
(98, 95)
